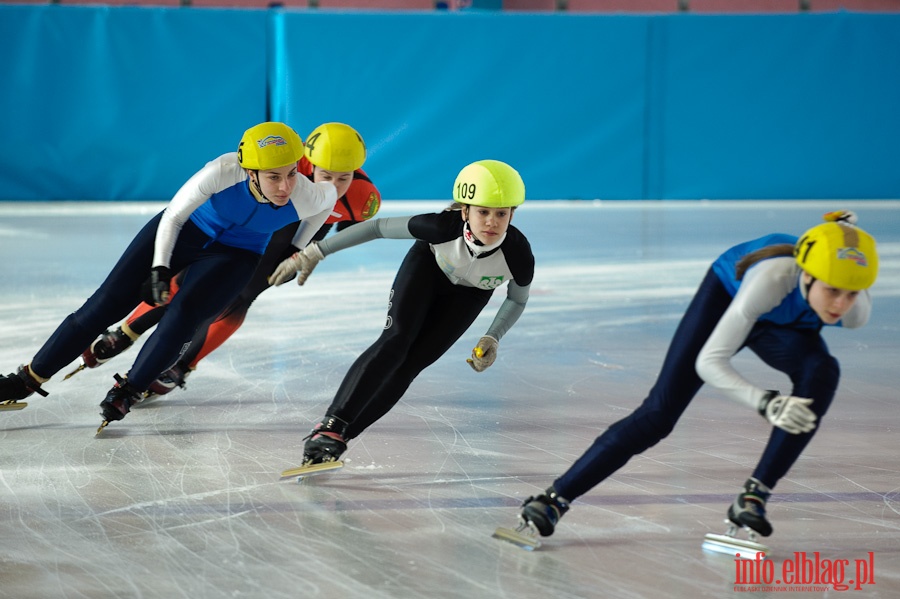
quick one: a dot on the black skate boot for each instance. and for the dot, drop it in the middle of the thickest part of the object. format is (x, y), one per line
(19, 385)
(106, 347)
(326, 442)
(118, 401)
(544, 511)
(109, 345)
(169, 380)
(749, 509)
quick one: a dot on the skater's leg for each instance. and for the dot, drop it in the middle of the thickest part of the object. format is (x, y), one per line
(118, 294)
(448, 319)
(211, 336)
(675, 387)
(411, 295)
(210, 284)
(814, 373)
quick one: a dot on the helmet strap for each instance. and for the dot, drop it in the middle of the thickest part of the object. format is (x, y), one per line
(804, 286)
(256, 189)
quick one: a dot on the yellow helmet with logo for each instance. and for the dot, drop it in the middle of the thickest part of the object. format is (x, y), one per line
(269, 145)
(841, 255)
(335, 147)
(489, 183)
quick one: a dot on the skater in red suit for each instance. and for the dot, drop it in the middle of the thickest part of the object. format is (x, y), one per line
(460, 257)
(772, 295)
(216, 227)
(333, 152)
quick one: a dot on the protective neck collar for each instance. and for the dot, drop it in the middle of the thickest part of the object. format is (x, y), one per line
(476, 247)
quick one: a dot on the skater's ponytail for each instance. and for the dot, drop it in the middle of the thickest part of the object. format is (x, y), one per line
(770, 251)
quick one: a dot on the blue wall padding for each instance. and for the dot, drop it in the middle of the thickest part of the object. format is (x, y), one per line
(123, 103)
(126, 103)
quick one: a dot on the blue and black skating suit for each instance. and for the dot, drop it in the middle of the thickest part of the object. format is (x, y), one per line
(765, 311)
(217, 229)
(444, 283)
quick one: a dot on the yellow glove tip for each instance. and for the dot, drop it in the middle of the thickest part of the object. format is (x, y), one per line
(479, 353)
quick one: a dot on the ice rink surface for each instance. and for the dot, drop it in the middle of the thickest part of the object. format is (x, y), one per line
(183, 497)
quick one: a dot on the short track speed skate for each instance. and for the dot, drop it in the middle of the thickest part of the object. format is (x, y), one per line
(748, 512)
(539, 516)
(17, 386)
(302, 472)
(525, 535)
(730, 544)
(106, 347)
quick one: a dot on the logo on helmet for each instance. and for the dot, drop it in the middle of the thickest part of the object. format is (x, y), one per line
(852, 254)
(271, 140)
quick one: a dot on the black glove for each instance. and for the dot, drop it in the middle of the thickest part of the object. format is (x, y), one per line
(155, 290)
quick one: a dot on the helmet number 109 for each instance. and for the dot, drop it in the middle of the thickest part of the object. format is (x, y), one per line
(465, 191)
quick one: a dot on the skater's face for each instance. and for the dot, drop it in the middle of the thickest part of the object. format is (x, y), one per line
(276, 184)
(487, 224)
(340, 180)
(829, 303)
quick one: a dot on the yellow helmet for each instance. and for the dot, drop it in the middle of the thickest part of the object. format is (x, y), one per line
(839, 254)
(489, 183)
(269, 145)
(335, 147)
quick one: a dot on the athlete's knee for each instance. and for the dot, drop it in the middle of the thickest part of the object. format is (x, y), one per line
(818, 380)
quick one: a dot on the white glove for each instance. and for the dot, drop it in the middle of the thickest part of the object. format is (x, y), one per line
(484, 354)
(788, 413)
(301, 264)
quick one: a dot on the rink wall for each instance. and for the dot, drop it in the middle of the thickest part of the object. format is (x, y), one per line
(125, 103)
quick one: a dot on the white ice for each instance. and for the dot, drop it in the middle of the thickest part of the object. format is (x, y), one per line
(183, 498)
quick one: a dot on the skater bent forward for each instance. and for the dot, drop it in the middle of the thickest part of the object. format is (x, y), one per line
(461, 255)
(218, 224)
(772, 295)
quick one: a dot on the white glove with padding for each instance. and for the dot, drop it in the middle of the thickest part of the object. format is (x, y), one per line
(789, 413)
(301, 264)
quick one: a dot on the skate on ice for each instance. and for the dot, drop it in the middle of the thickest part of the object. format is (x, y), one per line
(118, 402)
(539, 516)
(323, 448)
(304, 471)
(106, 347)
(17, 386)
(747, 513)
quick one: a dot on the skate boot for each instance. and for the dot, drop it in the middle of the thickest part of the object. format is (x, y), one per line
(118, 402)
(169, 380)
(544, 511)
(107, 346)
(18, 385)
(326, 442)
(749, 509)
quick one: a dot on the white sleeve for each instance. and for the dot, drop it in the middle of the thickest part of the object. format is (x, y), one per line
(764, 287)
(308, 228)
(192, 194)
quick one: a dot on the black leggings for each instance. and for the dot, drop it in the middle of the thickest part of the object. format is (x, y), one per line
(427, 314)
(217, 273)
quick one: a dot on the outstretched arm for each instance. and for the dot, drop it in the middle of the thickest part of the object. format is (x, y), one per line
(485, 352)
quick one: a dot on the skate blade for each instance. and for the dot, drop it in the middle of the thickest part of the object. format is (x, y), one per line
(13, 404)
(518, 538)
(81, 367)
(733, 546)
(302, 471)
(103, 425)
